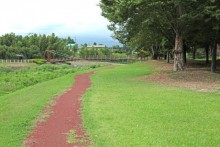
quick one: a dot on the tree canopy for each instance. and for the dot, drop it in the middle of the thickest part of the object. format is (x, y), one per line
(156, 25)
(31, 45)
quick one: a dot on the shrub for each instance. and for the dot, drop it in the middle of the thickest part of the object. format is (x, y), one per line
(94, 66)
(39, 61)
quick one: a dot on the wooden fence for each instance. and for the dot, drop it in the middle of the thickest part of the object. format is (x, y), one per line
(89, 58)
(15, 61)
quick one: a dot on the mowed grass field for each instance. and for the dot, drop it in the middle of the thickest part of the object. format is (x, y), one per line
(119, 110)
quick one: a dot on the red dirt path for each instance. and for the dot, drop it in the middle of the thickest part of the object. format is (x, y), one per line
(65, 117)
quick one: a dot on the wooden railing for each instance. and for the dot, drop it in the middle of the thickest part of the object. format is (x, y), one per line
(112, 58)
(89, 58)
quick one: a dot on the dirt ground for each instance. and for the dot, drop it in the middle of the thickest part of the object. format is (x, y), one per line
(196, 76)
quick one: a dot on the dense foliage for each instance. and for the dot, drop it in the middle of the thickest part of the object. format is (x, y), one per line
(33, 46)
(114, 51)
(14, 46)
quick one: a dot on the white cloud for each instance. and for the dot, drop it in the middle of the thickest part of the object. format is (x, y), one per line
(47, 16)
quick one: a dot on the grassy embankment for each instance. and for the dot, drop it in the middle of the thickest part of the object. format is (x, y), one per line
(12, 79)
(120, 110)
(31, 90)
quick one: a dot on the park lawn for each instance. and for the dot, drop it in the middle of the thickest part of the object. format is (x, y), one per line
(120, 110)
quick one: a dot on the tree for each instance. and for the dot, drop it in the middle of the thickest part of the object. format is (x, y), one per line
(213, 12)
(8, 39)
(168, 19)
(31, 45)
(70, 40)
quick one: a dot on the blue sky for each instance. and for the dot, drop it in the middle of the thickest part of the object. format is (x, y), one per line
(76, 18)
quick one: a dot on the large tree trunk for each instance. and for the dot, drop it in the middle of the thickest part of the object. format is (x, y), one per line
(207, 53)
(214, 56)
(178, 51)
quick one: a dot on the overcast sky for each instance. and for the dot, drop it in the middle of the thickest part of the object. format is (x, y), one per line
(75, 18)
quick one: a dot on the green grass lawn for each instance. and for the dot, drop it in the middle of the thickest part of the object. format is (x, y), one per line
(19, 109)
(120, 111)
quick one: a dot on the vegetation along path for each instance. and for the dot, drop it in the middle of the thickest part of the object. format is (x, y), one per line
(64, 125)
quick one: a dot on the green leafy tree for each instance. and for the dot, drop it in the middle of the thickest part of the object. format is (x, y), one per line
(31, 45)
(213, 12)
(151, 19)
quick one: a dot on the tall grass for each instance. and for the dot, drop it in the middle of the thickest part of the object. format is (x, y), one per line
(121, 111)
(14, 79)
